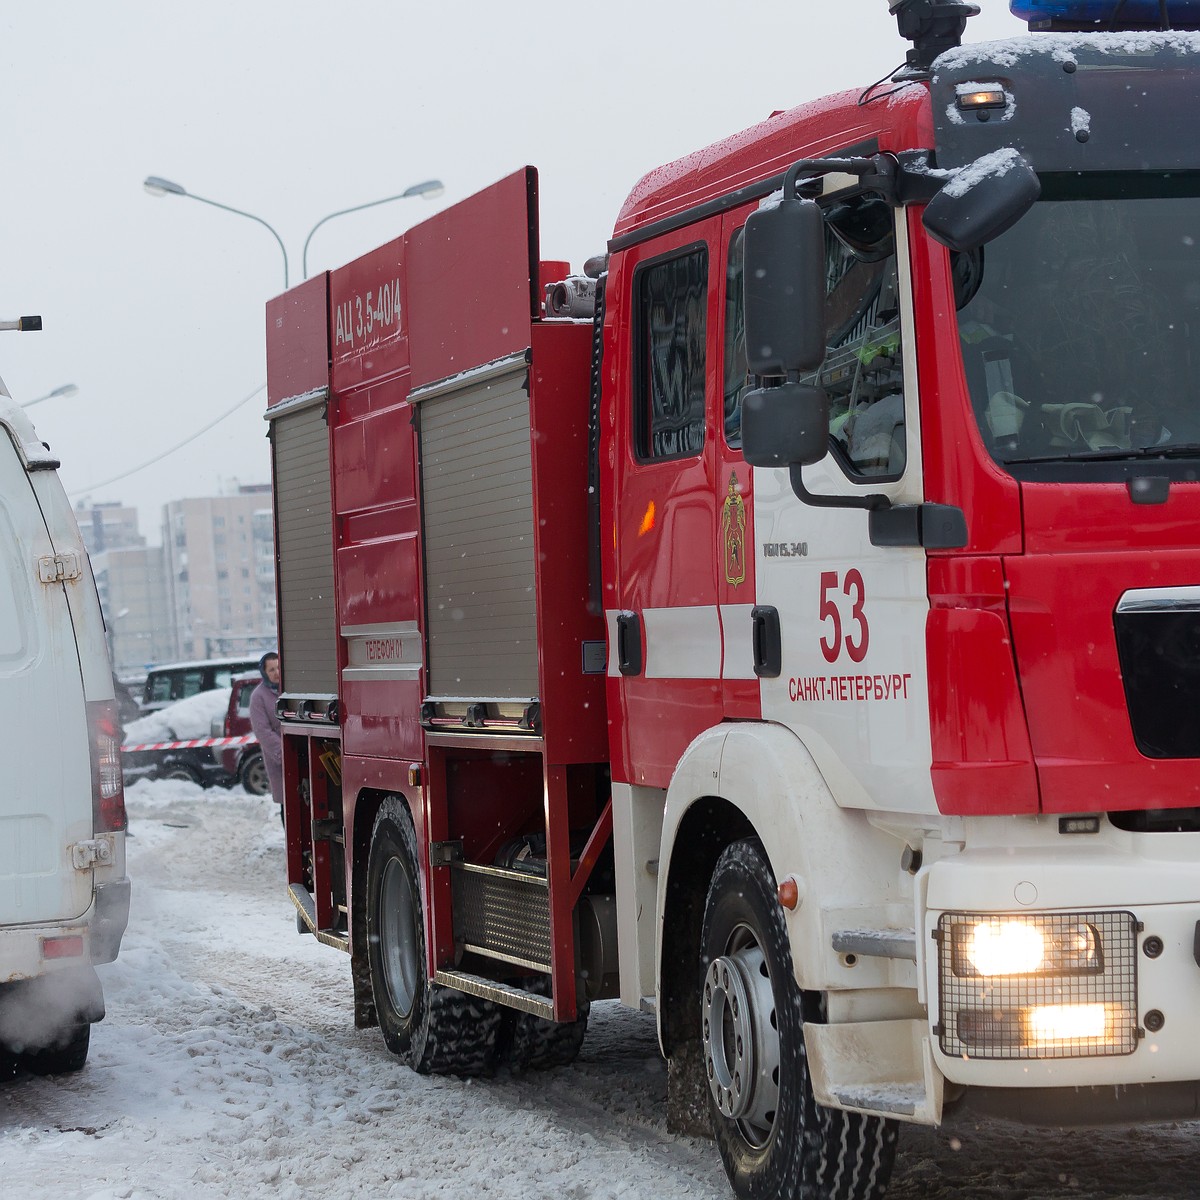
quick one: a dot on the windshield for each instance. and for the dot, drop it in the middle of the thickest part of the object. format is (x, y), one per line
(1078, 326)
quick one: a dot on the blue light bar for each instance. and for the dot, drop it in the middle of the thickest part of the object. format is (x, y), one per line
(1104, 15)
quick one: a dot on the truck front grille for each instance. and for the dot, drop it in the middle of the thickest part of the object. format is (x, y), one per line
(1158, 643)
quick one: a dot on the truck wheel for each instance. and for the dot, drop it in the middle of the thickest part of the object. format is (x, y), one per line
(527, 1041)
(434, 1030)
(62, 1057)
(254, 775)
(775, 1139)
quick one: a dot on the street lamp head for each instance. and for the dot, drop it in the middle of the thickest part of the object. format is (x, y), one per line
(429, 189)
(157, 186)
(163, 187)
(65, 389)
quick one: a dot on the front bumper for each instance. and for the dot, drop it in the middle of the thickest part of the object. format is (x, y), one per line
(1129, 1008)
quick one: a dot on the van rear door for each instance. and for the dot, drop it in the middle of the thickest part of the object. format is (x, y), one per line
(45, 783)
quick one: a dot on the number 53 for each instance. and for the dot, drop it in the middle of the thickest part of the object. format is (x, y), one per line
(853, 589)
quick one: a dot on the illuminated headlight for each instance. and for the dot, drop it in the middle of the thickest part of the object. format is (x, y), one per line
(1057, 985)
(1068, 1022)
(1016, 946)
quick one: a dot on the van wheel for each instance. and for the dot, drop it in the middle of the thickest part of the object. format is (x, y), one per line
(435, 1030)
(254, 775)
(63, 1056)
(774, 1138)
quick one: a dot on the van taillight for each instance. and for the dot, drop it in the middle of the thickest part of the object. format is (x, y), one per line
(108, 788)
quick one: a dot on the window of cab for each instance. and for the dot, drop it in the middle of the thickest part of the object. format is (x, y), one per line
(863, 371)
(670, 311)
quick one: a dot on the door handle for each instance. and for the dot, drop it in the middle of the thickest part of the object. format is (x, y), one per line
(767, 640)
(629, 643)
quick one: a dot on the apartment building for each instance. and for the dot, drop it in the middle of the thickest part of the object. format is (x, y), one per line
(219, 558)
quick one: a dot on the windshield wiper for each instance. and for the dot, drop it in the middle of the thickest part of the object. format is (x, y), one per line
(1167, 450)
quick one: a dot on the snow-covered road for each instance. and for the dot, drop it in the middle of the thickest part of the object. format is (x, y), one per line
(229, 1065)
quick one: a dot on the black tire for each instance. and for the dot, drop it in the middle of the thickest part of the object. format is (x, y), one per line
(775, 1140)
(253, 774)
(434, 1030)
(530, 1042)
(62, 1057)
(180, 771)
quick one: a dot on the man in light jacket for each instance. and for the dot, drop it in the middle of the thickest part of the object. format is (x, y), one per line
(265, 723)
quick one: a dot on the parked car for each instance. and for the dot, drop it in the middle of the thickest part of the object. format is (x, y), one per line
(172, 682)
(244, 763)
(64, 895)
(184, 721)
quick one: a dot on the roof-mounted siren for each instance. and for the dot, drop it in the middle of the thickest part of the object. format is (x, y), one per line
(933, 26)
(1106, 16)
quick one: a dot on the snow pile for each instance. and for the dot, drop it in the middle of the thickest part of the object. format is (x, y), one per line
(181, 721)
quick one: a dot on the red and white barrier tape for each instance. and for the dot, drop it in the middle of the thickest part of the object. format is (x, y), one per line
(244, 740)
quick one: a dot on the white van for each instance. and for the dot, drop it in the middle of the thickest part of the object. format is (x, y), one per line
(64, 896)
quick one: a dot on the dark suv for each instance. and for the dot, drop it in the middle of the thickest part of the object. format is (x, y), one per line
(177, 681)
(205, 764)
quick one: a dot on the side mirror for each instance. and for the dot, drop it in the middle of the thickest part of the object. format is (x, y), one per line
(784, 288)
(981, 200)
(785, 425)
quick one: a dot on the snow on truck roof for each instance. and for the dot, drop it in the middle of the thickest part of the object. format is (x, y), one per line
(1062, 47)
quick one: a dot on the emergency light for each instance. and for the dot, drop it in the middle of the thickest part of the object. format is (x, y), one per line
(1105, 15)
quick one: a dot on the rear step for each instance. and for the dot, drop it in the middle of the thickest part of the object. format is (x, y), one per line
(308, 914)
(899, 1099)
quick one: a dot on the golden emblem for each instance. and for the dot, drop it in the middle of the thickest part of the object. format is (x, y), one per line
(733, 534)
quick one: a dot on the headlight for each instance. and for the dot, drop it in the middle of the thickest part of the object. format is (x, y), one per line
(1067, 1022)
(1045, 985)
(1017, 946)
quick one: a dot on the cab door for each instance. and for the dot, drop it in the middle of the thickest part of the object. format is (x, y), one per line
(852, 675)
(664, 624)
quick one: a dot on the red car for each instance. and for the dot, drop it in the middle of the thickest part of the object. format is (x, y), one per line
(244, 763)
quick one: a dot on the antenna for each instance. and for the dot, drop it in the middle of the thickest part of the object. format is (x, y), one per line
(933, 26)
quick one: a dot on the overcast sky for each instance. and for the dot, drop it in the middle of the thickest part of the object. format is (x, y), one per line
(292, 109)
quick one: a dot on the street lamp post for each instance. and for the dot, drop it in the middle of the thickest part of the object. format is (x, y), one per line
(67, 389)
(157, 186)
(429, 189)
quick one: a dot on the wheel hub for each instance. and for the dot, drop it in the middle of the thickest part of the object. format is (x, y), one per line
(741, 1043)
(399, 948)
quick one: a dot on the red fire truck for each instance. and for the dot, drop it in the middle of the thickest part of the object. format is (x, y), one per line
(791, 625)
